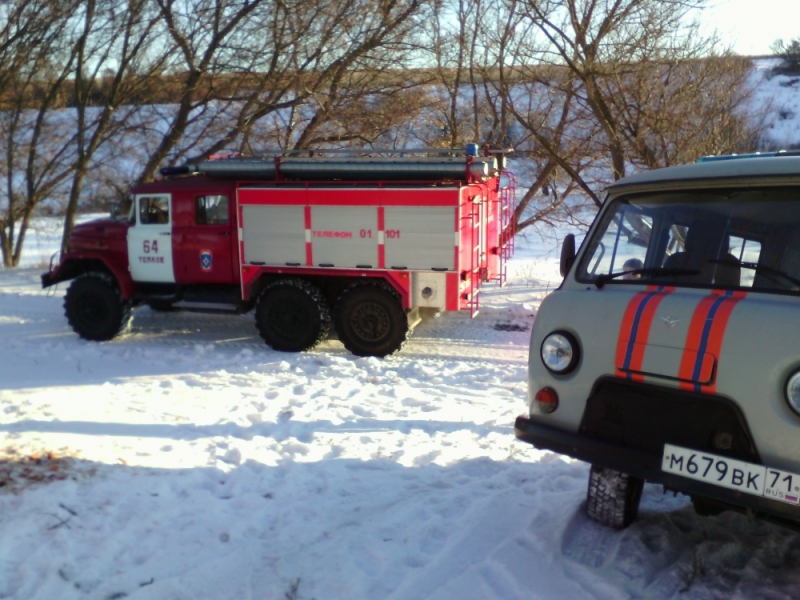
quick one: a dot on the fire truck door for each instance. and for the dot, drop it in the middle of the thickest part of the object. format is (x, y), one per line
(150, 240)
(204, 241)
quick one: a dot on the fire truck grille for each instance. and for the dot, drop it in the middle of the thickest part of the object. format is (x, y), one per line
(645, 417)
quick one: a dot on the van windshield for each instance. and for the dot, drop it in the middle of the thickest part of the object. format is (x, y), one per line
(723, 238)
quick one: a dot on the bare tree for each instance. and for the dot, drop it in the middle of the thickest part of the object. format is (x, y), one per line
(242, 64)
(635, 61)
(606, 87)
(115, 64)
(37, 138)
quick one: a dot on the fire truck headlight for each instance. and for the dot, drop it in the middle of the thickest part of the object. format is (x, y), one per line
(560, 352)
(793, 391)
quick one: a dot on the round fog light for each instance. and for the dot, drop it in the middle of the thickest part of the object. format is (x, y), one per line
(546, 400)
(793, 391)
(560, 352)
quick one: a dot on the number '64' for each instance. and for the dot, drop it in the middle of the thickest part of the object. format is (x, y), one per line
(149, 246)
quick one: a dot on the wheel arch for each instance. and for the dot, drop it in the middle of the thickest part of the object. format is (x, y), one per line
(333, 284)
(74, 267)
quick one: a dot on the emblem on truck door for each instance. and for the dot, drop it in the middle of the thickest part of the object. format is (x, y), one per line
(670, 321)
(206, 260)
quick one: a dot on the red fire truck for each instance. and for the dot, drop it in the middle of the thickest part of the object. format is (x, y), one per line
(366, 243)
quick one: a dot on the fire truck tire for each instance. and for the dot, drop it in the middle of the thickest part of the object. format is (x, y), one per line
(95, 308)
(370, 320)
(613, 497)
(292, 315)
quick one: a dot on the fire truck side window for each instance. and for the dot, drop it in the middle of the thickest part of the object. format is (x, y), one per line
(211, 210)
(153, 210)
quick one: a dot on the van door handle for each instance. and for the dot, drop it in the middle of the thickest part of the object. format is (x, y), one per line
(165, 233)
(224, 232)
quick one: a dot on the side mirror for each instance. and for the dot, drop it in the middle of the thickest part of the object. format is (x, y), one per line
(567, 253)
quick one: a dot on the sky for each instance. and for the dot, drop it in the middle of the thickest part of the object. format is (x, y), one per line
(751, 26)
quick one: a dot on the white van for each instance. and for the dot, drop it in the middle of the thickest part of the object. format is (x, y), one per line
(671, 351)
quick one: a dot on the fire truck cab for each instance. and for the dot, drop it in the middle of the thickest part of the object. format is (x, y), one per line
(365, 244)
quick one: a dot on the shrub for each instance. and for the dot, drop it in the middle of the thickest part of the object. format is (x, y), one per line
(789, 53)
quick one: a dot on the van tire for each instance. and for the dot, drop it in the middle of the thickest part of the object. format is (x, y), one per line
(292, 315)
(370, 320)
(94, 307)
(613, 497)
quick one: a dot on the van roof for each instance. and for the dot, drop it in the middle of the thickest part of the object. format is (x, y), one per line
(716, 169)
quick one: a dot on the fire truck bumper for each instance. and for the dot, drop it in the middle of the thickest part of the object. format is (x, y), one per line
(647, 466)
(51, 277)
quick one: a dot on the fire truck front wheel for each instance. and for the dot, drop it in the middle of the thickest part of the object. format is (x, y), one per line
(95, 308)
(292, 315)
(370, 320)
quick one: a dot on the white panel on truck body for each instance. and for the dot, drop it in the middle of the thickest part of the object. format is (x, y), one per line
(420, 237)
(344, 236)
(428, 290)
(274, 235)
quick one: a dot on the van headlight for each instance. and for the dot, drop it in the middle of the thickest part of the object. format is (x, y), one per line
(793, 391)
(560, 353)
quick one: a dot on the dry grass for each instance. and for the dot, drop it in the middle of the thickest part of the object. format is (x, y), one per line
(18, 471)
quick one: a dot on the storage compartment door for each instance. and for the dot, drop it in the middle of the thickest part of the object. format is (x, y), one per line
(344, 236)
(274, 235)
(420, 237)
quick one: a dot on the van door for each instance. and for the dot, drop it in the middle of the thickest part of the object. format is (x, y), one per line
(150, 240)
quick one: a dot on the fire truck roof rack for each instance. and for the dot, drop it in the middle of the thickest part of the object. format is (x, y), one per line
(470, 150)
(445, 165)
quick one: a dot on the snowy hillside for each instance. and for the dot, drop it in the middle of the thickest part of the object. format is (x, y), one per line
(188, 461)
(775, 102)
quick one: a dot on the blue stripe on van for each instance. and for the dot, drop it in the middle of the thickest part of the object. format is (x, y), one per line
(698, 365)
(635, 328)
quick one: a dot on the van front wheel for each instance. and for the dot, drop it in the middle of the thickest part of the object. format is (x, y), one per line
(613, 497)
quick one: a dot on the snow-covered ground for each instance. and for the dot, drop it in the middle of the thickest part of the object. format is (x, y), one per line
(186, 460)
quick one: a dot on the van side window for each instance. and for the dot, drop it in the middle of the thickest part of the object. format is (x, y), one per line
(676, 241)
(745, 251)
(211, 210)
(624, 245)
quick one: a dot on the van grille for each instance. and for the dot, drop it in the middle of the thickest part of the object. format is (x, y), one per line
(645, 417)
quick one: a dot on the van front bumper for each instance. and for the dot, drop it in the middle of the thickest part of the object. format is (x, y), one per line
(647, 466)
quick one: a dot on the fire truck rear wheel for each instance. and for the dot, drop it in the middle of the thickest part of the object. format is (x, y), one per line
(292, 315)
(370, 320)
(613, 497)
(95, 308)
